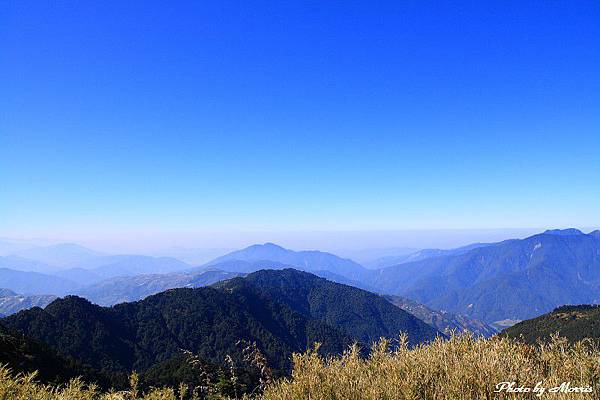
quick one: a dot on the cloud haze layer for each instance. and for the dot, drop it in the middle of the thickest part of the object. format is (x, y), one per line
(352, 244)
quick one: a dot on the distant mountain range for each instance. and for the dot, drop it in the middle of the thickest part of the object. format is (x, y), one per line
(308, 261)
(23, 264)
(104, 267)
(282, 311)
(33, 277)
(35, 282)
(420, 255)
(190, 255)
(58, 255)
(132, 288)
(240, 266)
(515, 279)
(161, 305)
(368, 258)
(11, 302)
(498, 283)
(12, 246)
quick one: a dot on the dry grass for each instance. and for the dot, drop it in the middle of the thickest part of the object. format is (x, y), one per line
(459, 368)
(24, 387)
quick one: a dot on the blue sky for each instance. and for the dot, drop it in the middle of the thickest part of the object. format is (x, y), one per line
(175, 117)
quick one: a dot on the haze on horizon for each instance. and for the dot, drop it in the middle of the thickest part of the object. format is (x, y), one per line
(351, 244)
(314, 126)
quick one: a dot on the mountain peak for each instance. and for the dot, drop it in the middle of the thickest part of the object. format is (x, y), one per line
(274, 256)
(595, 233)
(271, 245)
(563, 232)
(268, 246)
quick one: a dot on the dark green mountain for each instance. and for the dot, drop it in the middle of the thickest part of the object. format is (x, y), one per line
(516, 279)
(572, 322)
(206, 321)
(25, 355)
(362, 315)
(282, 311)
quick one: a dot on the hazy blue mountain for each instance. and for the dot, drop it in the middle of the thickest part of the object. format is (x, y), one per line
(35, 282)
(82, 276)
(11, 302)
(302, 260)
(126, 265)
(24, 264)
(190, 255)
(441, 320)
(59, 254)
(421, 255)
(132, 288)
(367, 257)
(564, 232)
(516, 279)
(330, 276)
(246, 267)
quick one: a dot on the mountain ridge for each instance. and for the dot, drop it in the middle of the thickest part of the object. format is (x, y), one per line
(208, 321)
(515, 279)
(305, 260)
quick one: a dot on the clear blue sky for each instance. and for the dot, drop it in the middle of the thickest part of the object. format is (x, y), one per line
(229, 116)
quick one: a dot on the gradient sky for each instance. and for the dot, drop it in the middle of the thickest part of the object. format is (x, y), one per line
(173, 117)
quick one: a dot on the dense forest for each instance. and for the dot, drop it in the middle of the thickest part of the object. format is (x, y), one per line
(574, 323)
(269, 313)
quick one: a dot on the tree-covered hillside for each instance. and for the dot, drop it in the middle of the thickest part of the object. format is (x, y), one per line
(571, 322)
(362, 315)
(283, 311)
(25, 355)
(206, 321)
